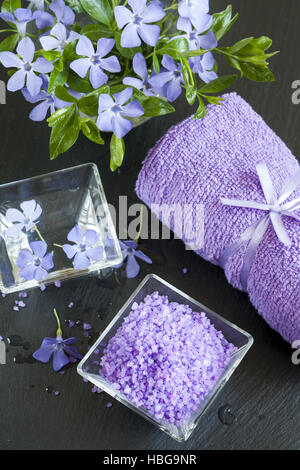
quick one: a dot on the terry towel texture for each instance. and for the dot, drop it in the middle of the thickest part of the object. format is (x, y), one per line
(200, 161)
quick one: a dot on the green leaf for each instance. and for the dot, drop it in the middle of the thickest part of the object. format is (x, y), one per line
(62, 94)
(201, 111)
(222, 22)
(65, 130)
(57, 79)
(89, 104)
(9, 43)
(69, 52)
(96, 31)
(155, 63)
(100, 10)
(257, 73)
(79, 84)
(117, 151)
(240, 44)
(189, 80)
(152, 105)
(10, 5)
(262, 43)
(91, 131)
(51, 55)
(75, 5)
(219, 84)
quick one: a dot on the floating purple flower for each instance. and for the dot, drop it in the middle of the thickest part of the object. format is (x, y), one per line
(27, 219)
(26, 66)
(140, 68)
(59, 38)
(130, 252)
(137, 20)
(113, 109)
(203, 66)
(84, 251)
(47, 101)
(20, 18)
(35, 265)
(95, 62)
(196, 38)
(169, 80)
(61, 349)
(197, 12)
(63, 13)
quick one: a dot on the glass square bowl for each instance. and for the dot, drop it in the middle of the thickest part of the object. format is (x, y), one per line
(69, 197)
(89, 365)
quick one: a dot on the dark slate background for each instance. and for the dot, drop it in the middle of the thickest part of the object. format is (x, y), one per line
(263, 392)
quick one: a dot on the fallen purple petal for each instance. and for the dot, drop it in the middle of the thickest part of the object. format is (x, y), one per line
(87, 326)
(16, 309)
(57, 284)
(109, 405)
(71, 305)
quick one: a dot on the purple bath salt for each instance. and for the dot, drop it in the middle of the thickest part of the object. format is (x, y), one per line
(165, 358)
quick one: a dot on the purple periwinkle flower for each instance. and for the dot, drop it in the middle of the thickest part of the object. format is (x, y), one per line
(27, 219)
(95, 62)
(196, 38)
(35, 264)
(58, 39)
(26, 67)
(20, 18)
(47, 101)
(85, 249)
(61, 349)
(113, 112)
(169, 80)
(197, 12)
(203, 66)
(130, 252)
(136, 21)
(63, 13)
(140, 68)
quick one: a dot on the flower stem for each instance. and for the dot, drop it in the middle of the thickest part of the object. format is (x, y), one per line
(39, 234)
(55, 244)
(59, 331)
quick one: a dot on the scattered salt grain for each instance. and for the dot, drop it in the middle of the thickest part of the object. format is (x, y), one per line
(165, 358)
(23, 295)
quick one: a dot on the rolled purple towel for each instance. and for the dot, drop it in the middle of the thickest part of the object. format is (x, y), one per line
(202, 161)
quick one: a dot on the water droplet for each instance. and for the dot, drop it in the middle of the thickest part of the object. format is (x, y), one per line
(15, 340)
(226, 416)
(20, 359)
